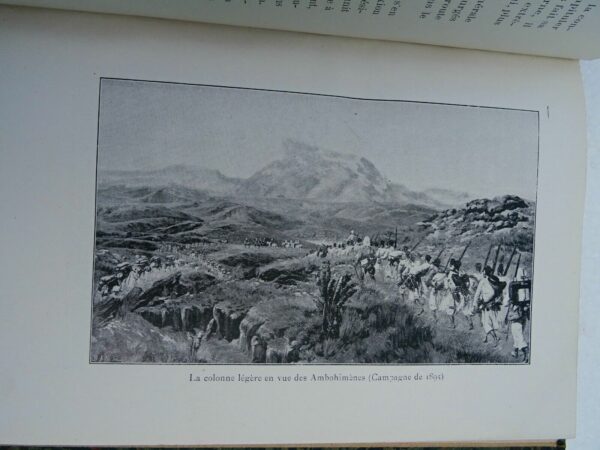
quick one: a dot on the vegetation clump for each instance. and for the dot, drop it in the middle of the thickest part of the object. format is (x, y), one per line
(334, 293)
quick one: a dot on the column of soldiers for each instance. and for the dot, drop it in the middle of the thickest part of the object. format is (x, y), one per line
(487, 292)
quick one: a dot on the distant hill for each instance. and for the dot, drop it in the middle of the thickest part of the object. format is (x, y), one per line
(303, 172)
(199, 178)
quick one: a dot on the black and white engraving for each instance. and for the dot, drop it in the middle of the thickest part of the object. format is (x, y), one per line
(246, 226)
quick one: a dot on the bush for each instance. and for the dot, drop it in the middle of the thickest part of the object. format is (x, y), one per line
(334, 293)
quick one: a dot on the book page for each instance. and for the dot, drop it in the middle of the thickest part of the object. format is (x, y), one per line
(560, 28)
(223, 236)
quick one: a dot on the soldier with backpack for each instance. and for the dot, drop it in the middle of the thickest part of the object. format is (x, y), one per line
(488, 301)
(437, 283)
(414, 282)
(518, 313)
(457, 286)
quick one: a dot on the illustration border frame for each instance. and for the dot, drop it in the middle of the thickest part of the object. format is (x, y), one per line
(289, 365)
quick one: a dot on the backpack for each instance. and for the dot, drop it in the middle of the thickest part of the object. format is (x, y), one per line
(498, 287)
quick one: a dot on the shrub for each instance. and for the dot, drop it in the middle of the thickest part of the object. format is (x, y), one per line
(334, 293)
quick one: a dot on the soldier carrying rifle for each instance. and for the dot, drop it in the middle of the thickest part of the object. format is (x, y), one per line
(456, 286)
(488, 301)
(415, 282)
(437, 282)
(364, 264)
(518, 313)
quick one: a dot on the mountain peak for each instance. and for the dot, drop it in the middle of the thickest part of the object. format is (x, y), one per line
(307, 172)
(303, 153)
(297, 149)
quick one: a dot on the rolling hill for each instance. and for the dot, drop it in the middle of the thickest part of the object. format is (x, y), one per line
(303, 172)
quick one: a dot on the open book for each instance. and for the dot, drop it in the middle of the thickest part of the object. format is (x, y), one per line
(226, 235)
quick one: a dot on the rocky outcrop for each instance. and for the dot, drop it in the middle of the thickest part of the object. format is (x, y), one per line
(115, 307)
(132, 339)
(281, 350)
(179, 314)
(247, 264)
(287, 276)
(263, 327)
(482, 216)
(228, 316)
(196, 282)
(166, 287)
(277, 350)
(271, 329)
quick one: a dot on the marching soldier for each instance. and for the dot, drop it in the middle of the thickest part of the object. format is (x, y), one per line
(322, 251)
(518, 314)
(502, 276)
(462, 286)
(403, 266)
(415, 282)
(131, 281)
(436, 281)
(352, 238)
(487, 301)
(470, 309)
(456, 292)
(364, 264)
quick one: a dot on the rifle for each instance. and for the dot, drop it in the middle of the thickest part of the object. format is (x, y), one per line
(440, 253)
(464, 251)
(517, 268)
(487, 256)
(417, 244)
(509, 261)
(501, 263)
(374, 240)
(447, 262)
(496, 258)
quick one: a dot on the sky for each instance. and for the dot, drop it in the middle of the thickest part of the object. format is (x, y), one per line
(482, 151)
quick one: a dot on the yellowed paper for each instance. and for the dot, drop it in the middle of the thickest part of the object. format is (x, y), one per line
(52, 394)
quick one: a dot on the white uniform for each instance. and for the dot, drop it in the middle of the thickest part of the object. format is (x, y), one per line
(489, 317)
(130, 282)
(517, 319)
(516, 329)
(449, 303)
(380, 265)
(379, 276)
(469, 306)
(417, 270)
(437, 291)
(421, 268)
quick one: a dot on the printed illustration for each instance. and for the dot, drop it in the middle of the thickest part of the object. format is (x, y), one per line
(247, 226)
